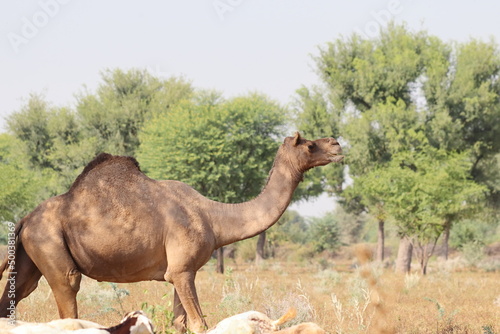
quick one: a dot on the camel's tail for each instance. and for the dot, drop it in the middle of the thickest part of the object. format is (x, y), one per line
(5, 262)
(289, 315)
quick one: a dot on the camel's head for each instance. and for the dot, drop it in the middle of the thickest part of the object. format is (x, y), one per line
(306, 154)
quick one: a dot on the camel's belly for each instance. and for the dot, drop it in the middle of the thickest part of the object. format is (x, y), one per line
(120, 259)
(123, 270)
(127, 277)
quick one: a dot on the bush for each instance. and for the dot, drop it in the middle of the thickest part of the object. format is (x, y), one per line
(468, 232)
(473, 252)
(325, 233)
(245, 249)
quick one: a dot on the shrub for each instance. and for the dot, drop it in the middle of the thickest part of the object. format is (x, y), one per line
(325, 233)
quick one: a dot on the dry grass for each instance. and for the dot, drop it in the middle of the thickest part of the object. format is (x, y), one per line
(342, 299)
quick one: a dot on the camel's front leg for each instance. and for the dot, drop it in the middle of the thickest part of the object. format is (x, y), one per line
(186, 302)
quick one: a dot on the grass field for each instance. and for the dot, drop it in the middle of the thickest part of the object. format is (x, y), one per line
(339, 296)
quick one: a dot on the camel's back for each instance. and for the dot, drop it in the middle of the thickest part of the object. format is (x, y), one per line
(110, 170)
(112, 188)
(120, 179)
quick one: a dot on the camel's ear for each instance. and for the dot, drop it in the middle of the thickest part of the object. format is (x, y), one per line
(296, 139)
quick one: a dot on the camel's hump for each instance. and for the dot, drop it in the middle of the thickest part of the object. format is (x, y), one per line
(105, 159)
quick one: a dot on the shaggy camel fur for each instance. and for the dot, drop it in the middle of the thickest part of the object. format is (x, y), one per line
(115, 224)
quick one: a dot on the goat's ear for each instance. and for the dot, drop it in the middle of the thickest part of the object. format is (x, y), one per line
(296, 139)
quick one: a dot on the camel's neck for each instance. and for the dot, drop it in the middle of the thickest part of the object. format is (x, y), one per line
(235, 222)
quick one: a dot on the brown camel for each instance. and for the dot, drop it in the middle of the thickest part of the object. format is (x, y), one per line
(115, 224)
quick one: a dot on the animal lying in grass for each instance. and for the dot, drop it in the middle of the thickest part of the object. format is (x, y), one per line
(253, 322)
(115, 224)
(133, 323)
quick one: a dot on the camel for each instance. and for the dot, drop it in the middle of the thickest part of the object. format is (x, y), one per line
(115, 224)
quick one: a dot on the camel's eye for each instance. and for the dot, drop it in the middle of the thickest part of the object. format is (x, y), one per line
(311, 146)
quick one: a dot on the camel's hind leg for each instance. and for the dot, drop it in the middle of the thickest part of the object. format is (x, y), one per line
(64, 280)
(57, 266)
(22, 281)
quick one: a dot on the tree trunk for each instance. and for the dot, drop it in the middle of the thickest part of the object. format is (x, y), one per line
(261, 242)
(403, 262)
(380, 241)
(220, 261)
(446, 239)
(427, 251)
(424, 260)
(421, 252)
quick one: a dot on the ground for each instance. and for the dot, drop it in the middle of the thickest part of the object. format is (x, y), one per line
(339, 295)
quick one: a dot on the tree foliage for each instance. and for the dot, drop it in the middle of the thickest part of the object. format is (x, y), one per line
(20, 186)
(223, 148)
(291, 227)
(324, 233)
(314, 119)
(405, 99)
(450, 89)
(421, 189)
(60, 141)
(114, 114)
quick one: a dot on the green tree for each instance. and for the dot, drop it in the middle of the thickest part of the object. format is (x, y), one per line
(462, 92)
(351, 225)
(421, 190)
(379, 133)
(324, 233)
(20, 186)
(291, 227)
(59, 141)
(70, 148)
(471, 231)
(42, 130)
(30, 126)
(444, 93)
(315, 119)
(114, 114)
(360, 75)
(222, 148)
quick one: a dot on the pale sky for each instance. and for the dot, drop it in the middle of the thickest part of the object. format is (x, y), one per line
(57, 47)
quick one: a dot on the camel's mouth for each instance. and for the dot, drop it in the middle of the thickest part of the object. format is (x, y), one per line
(336, 158)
